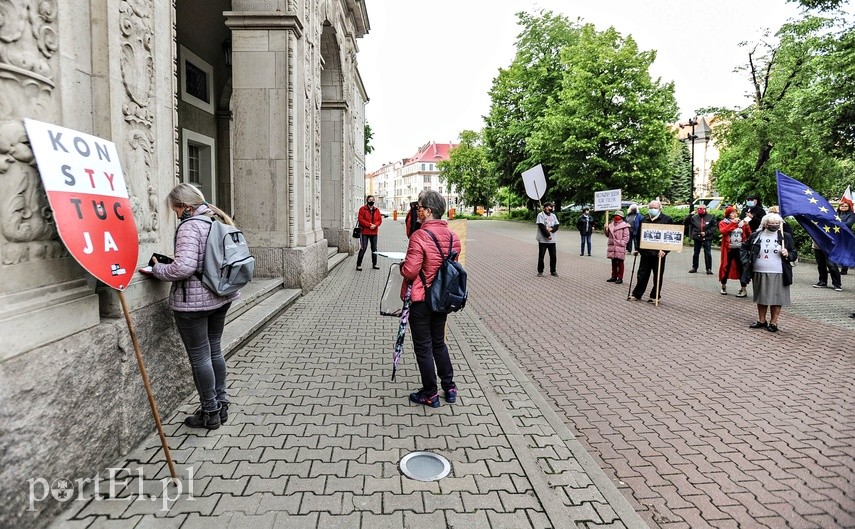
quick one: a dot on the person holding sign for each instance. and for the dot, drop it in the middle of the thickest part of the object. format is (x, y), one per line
(200, 314)
(650, 259)
(618, 233)
(771, 271)
(547, 225)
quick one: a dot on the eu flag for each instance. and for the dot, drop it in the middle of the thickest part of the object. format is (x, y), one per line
(818, 219)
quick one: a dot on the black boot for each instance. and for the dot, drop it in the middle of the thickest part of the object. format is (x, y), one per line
(224, 412)
(204, 419)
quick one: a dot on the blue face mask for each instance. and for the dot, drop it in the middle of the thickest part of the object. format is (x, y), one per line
(751, 203)
(653, 212)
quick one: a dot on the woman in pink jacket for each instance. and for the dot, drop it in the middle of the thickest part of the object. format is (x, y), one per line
(427, 328)
(618, 232)
(200, 314)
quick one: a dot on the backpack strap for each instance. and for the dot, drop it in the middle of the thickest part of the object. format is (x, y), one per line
(198, 273)
(436, 242)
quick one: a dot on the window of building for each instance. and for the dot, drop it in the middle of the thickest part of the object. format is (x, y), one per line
(194, 164)
(198, 165)
(427, 179)
(423, 167)
(197, 80)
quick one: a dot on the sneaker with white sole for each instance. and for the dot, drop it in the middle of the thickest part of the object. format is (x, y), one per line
(742, 293)
(723, 290)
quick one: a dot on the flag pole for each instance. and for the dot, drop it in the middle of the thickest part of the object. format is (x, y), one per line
(148, 391)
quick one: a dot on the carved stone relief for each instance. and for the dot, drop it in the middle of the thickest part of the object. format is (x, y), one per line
(26, 220)
(28, 43)
(137, 68)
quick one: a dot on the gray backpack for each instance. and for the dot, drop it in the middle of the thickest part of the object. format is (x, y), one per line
(228, 265)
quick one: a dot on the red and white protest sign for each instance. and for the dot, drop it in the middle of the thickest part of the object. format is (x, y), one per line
(86, 189)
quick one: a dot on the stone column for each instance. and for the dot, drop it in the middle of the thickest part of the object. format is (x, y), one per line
(275, 154)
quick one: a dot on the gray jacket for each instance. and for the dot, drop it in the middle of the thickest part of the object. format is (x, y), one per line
(188, 293)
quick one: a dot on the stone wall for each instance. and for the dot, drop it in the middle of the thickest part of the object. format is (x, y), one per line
(73, 407)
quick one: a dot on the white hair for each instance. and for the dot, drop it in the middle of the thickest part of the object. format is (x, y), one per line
(771, 217)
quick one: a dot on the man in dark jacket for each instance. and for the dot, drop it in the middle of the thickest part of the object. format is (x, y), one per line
(753, 211)
(702, 228)
(650, 258)
(585, 225)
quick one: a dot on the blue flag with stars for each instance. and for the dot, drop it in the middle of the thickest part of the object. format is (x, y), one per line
(818, 219)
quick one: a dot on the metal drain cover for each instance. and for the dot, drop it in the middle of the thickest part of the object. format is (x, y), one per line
(425, 466)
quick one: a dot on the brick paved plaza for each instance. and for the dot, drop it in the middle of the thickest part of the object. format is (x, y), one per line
(577, 409)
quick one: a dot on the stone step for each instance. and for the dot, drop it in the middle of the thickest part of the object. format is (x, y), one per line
(335, 260)
(252, 294)
(331, 251)
(250, 320)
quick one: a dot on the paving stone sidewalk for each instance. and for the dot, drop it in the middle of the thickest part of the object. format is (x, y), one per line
(701, 421)
(316, 431)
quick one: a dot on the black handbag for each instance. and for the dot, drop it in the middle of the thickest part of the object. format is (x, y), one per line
(357, 230)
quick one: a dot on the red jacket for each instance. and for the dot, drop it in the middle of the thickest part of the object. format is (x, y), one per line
(725, 228)
(422, 255)
(367, 217)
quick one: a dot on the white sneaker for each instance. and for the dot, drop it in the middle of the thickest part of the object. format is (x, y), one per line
(742, 293)
(723, 290)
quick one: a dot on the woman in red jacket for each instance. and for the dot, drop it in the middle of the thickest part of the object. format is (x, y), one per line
(734, 233)
(427, 328)
(369, 220)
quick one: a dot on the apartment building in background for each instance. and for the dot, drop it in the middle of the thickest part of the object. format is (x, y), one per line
(396, 184)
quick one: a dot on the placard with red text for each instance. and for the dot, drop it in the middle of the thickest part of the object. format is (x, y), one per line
(86, 188)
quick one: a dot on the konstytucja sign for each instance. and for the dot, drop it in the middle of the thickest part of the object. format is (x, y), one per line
(86, 189)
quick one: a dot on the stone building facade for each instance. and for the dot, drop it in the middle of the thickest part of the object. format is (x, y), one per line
(258, 102)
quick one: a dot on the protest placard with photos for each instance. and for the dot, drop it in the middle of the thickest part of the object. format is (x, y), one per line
(668, 237)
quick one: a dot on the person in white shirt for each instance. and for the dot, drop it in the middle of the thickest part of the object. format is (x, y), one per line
(770, 269)
(547, 225)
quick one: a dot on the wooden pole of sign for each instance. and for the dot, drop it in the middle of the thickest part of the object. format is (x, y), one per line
(148, 387)
(658, 280)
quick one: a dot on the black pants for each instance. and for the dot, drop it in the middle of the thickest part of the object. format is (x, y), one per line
(428, 331)
(826, 267)
(202, 332)
(541, 251)
(363, 245)
(734, 258)
(706, 245)
(647, 266)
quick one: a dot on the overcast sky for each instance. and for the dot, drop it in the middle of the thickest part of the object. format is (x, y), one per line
(428, 65)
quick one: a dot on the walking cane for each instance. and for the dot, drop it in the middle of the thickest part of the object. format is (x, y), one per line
(658, 281)
(631, 277)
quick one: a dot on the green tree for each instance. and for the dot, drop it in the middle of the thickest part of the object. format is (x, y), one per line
(787, 125)
(470, 171)
(521, 93)
(369, 135)
(680, 170)
(609, 124)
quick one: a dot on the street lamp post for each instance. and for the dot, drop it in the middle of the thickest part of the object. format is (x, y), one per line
(692, 123)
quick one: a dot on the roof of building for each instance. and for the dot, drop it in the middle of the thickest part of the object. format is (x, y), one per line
(432, 152)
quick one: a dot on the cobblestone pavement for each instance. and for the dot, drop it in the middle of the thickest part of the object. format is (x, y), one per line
(699, 420)
(316, 430)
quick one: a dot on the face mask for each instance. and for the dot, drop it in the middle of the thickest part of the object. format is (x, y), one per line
(773, 227)
(186, 214)
(371, 203)
(617, 219)
(653, 212)
(702, 211)
(751, 203)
